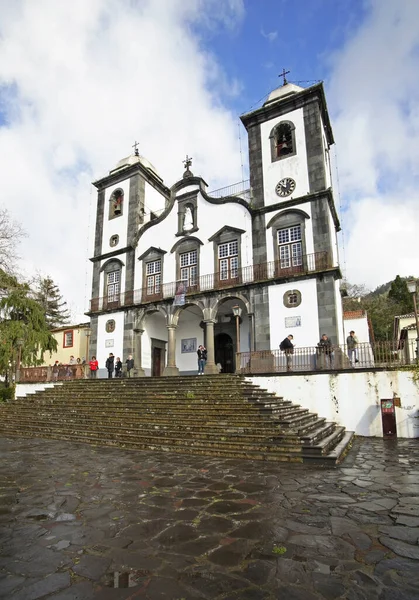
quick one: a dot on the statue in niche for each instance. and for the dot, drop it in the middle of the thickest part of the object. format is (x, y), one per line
(188, 219)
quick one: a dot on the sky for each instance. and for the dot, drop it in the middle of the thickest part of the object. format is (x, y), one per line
(81, 81)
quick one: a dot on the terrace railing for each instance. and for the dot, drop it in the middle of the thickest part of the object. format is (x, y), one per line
(42, 374)
(241, 189)
(314, 358)
(308, 263)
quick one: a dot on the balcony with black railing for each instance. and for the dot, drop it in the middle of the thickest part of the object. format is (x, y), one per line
(270, 271)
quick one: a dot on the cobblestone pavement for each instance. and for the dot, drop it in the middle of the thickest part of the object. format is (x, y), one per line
(77, 522)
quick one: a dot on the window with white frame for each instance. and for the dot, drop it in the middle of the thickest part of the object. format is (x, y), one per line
(290, 247)
(113, 285)
(153, 277)
(228, 260)
(189, 267)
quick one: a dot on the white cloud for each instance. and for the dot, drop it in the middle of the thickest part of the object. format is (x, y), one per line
(375, 90)
(271, 36)
(81, 81)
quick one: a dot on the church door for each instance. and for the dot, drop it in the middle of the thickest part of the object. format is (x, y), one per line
(224, 352)
(156, 368)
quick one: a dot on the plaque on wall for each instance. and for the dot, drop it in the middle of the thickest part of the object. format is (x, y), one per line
(292, 321)
(188, 345)
(109, 343)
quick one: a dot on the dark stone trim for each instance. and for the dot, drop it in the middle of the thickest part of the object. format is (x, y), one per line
(316, 166)
(256, 166)
(285, 105)
(182, 183)
(309, 198)
(272, 137)
(286, 300)
(287, 212)
(125, 174)
(111, 254)
(152, 250)
(100, 211)
(226, 200)
(112, 260)
(193, 195)
(184, 240)
(326, 307)
(226, 229)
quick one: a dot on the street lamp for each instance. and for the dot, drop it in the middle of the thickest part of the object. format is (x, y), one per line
(412, 287)
(237, 311)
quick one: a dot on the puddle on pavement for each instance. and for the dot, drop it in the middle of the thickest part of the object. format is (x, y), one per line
(127, 579)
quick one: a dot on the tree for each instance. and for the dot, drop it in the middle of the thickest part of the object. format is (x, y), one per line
(400, 295)
(24, 331)
(11, 233)
(47, 294)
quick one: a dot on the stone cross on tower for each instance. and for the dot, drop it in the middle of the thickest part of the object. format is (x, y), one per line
(283, 74)
(135, 146)
(187, 162)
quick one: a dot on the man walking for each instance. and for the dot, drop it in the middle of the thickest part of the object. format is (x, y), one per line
(325, 347)
(352, 343)
(287, 348)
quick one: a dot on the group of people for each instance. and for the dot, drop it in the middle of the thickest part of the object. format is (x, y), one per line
(68, 370)
(112, 366)
(325, 348)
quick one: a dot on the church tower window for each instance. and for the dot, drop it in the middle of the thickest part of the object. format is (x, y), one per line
(153, 277)
(228, 260)
(113, 286)
(116, 204)
(189, 268)
(290, 247)
(282, 140)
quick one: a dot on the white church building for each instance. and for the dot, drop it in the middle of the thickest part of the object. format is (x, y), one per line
(170, 263)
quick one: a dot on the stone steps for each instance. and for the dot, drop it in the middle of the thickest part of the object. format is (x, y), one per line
(212, 415)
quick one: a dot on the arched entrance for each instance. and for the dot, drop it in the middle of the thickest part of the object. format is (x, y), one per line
(224, 352)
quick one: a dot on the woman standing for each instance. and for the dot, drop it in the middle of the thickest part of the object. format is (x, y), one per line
(202, 359)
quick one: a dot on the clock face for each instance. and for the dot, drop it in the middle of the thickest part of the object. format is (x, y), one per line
(285, 187)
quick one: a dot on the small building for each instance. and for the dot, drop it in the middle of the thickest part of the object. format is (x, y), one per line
(405, 334)
(72, 340)
(357, 320)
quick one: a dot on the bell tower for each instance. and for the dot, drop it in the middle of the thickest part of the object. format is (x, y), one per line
(289, 139)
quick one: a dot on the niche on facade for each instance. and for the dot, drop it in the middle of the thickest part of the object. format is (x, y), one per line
(114, 240)
(110, 326)
(187, 215)
(292, 298)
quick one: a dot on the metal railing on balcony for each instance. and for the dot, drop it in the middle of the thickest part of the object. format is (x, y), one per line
(314, 358)
(242, 189)
(300, 265)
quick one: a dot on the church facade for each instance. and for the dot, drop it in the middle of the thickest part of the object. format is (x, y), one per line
(236, 270)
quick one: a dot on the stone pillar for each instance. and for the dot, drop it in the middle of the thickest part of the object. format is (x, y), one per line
(210, 367)
(171, 368)
(138, 369)
(252, 331)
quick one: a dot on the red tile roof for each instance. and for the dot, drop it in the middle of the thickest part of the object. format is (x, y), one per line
(354, 314)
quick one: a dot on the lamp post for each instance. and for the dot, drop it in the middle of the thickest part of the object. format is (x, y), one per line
(412, 287)
(237, 311)
(19, 344)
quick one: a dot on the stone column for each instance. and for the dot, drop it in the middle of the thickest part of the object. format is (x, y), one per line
(171, 368)
(210, 367)
(138, 369)
(252, 332)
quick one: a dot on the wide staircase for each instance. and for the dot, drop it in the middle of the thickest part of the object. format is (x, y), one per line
(220, 415)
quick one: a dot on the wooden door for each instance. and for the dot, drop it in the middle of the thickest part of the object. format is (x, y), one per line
(156, 369)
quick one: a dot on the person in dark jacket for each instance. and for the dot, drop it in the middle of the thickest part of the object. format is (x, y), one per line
(110, 365)
(118, 367)
(325, 346)
(288, 348)
(130, 365)
(202, 359)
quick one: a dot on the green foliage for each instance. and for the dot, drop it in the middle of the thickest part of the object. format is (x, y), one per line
(382, 305)
(47, 294)
(400, 295)
(23, 328)
(190, 395)
(279, 550)
(7, 393)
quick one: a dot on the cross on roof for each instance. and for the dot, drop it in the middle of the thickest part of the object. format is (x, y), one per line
(135, 146)
(283, 74)
(187, 162)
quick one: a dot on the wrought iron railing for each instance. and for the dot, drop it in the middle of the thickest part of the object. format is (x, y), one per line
(242, 189)
(340, 357)
(308, 263)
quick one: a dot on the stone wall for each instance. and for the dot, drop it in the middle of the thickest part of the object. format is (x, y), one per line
(352, 399)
